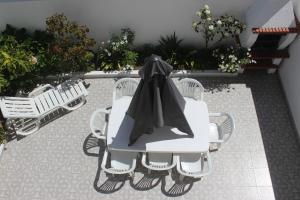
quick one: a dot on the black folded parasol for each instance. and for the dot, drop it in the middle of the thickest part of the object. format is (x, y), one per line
(157, 101)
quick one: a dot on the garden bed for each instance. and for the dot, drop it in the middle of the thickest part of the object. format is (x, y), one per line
(65, 49)
(134, 74)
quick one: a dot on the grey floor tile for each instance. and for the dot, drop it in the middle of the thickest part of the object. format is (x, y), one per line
(62, 160)
(266, 193)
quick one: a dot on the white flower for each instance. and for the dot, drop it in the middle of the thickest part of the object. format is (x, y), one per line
(198, 13)
(207, 12)
(226, 34)
(194, 24)
(211, 27)
(219, 22)
(208, 19)
(238, 31)
(33, 60)
(206, 6)
(102, 43)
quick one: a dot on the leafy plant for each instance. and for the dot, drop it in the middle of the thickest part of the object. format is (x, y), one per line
(37, 44)
(15, 61)
(145, 51)
(19, 34)
(71, 47)
(212, 27)
(169, 47)
(117, 53)
(2, 135)
(229, 26)
(230, 58)
(205, 25)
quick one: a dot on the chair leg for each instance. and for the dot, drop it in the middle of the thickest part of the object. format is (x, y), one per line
(170, 171)
(149, 171)
(131, 174)
(181, 177)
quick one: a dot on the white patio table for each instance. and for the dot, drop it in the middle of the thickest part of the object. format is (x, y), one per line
(163, 140)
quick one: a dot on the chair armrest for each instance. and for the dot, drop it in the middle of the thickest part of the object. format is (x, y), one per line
(215, 114)
(94, 128)
(40, 90)
(209, 165)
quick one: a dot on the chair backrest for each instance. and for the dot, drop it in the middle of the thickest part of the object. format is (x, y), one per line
(195, 165)
(227, 126)
(18, 107)
(122, 159)
(225, 123)
(124, 87)
(191, 88)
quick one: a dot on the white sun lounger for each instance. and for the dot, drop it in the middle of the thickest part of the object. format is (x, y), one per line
(25, 114)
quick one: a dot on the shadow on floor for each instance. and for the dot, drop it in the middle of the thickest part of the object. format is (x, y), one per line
(179, 188)
(148, 181)
(279, 135)
(92, 146)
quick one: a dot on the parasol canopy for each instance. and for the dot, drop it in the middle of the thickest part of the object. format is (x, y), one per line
(157, 101)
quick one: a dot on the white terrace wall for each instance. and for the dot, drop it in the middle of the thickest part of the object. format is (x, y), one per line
(290, 75)
(149, 18)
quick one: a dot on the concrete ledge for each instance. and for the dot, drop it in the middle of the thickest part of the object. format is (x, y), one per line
(134, 74)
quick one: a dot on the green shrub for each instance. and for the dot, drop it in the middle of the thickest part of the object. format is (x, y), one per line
(145, 51)
(36, 57)
(117, 53)
(15, 62)
(230, 58)
(2, 135)
(171, 50)
(71, 47)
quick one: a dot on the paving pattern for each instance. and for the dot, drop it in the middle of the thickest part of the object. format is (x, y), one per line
(62, 160)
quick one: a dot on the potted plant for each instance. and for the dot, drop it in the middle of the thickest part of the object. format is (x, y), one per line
(231, 59)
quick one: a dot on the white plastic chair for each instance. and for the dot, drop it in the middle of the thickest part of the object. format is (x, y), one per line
(194, 165)
(121, 162)
(158, 161)
(191, 88)
(24, 115)
(124, 87)
(99, 129)
(221, 127)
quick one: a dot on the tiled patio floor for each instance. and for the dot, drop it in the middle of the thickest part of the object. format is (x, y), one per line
(62, 160)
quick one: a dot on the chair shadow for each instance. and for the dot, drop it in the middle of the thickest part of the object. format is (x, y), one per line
(147, 182)
(179, 188)
(91, 143)
(112, 183)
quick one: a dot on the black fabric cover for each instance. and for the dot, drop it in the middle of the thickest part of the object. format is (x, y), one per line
(157, 101)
